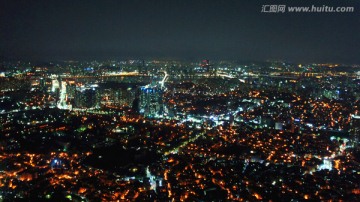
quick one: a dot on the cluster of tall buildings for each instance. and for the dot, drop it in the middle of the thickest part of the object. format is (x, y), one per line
(151, 101)
(146, 100)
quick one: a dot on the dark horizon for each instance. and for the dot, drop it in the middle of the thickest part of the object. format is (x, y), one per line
(189, 30)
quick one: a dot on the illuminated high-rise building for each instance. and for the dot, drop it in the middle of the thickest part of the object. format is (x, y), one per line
(118, 96)
(355, 131)
(86, 97)
(151, 101)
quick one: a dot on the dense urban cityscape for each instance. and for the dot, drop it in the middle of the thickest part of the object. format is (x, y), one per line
(171, 130)
(179, 100)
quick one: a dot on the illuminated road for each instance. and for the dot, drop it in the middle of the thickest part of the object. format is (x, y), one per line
(62, 100)
(162, 82)
(106, 75)
(183, 144)
(152, 179)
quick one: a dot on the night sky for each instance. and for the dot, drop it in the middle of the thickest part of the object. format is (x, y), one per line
(179, 29)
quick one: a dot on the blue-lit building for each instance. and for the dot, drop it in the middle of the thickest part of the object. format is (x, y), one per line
(151, 103)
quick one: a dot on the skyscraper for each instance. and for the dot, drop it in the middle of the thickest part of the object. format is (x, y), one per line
(150, 101)
(86, 98)
(355, 131)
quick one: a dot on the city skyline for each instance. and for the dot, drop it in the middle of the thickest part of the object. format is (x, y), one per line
(179, 100)
(140, 130)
